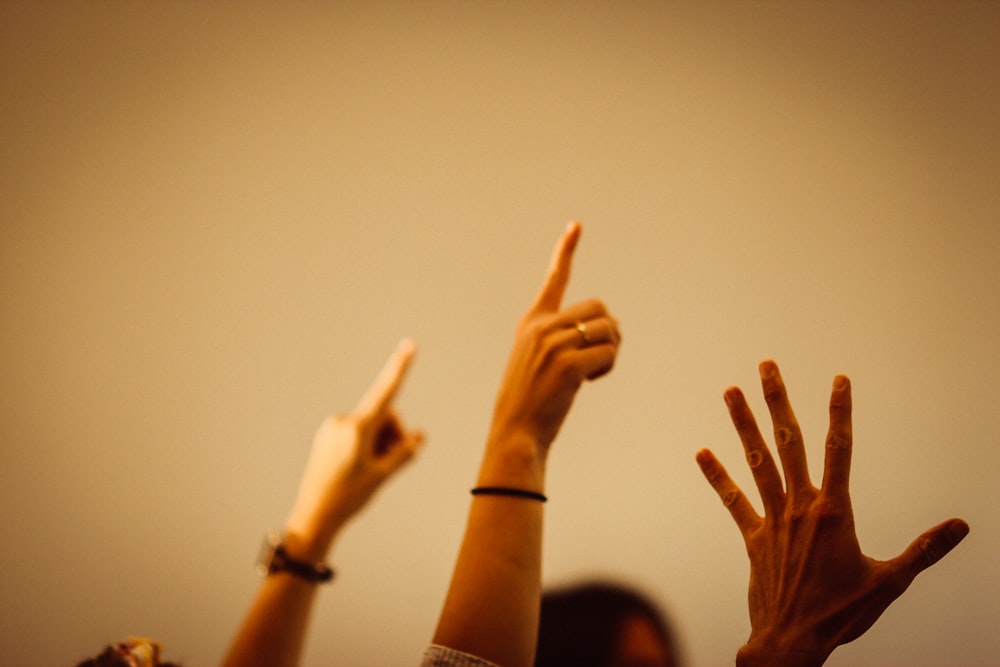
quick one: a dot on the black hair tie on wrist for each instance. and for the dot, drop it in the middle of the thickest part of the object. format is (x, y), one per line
(505, 491)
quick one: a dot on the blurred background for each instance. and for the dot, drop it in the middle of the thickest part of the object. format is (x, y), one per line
(218, 218)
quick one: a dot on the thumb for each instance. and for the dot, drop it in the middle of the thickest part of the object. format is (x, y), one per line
(932, 546)
(408, 447)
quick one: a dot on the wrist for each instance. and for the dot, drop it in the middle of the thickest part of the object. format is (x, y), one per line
(315, 523)
(310, 539)
(301, 545)
(775, 653)
(282, 553)
(513, 461)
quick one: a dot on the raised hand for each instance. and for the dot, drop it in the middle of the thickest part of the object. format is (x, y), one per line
(555, 350)
(811, 588)
(352, 455)
(491, 610)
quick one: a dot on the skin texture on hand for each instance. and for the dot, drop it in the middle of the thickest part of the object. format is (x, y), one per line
(811, 588)
(493, 602)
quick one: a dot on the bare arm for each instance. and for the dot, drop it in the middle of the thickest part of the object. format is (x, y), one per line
(811, 587)
(352, 456)
(492, 605)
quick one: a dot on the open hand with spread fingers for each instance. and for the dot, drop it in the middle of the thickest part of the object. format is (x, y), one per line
(811, 588)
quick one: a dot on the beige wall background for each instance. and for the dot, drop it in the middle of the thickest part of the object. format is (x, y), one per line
(218, 219)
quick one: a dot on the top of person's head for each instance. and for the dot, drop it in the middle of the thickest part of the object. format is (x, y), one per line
(603, 624)
(135, 652)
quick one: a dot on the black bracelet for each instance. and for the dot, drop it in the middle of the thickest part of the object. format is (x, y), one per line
(504, 491)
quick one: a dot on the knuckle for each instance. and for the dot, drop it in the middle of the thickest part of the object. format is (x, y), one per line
(713, 475)
(730, 497)
(773, 392)
(596, 306)
(742, 422)
(755, 458)
(828, 510)
(547, 349)
(796, 511)
(609, 351)
(785, 436)
(930, 552)
(838, 442)
(839, 404)
(532, 327)
(565, 368)
(711, 469)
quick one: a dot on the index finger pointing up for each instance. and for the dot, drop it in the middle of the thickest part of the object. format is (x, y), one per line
(550, 296)
(387, 384)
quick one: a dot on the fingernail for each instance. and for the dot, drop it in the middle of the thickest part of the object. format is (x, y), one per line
(768, 369)
(729, 396)
(840, 382)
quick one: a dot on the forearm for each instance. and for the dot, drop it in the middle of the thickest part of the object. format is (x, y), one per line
(352, 455)
(274, 630)
(761, 656)
(492, 605)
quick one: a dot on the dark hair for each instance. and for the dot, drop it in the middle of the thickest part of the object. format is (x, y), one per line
(581, 625)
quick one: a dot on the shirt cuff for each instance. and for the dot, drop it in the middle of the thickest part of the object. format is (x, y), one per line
(442, 656)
